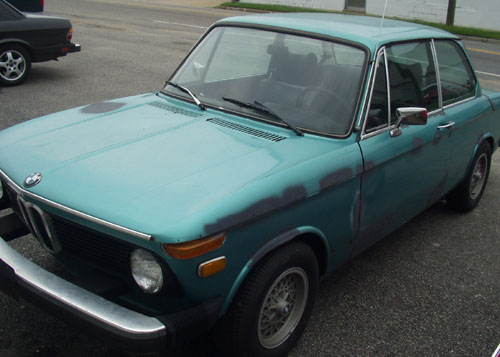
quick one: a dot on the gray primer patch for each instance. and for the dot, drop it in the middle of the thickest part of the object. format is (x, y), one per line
(290, 195)
(102, 107)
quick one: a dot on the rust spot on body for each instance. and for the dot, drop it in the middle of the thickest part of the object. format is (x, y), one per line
(369, 165)
(290, 195)
(335, 178)
(437, 137)
(418, 144)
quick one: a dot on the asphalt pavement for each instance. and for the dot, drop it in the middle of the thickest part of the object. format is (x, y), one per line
(429, 289)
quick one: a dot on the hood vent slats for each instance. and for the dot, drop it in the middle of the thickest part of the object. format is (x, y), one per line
(175, 109)
(247, 130)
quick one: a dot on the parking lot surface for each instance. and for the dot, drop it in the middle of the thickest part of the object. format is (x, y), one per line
(429, 289)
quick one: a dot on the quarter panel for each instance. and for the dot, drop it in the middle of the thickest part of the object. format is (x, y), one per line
(474, 120)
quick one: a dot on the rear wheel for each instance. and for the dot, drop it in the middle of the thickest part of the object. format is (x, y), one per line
(467, 195)
(271, 309)
(15, 64)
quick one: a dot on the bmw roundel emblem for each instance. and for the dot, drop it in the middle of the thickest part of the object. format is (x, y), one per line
(33, 179)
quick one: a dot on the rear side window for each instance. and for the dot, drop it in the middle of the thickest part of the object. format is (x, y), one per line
(457, 80)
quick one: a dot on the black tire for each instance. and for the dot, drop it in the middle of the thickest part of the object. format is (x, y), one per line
(273, 305)
(467, 195)
(15, 64)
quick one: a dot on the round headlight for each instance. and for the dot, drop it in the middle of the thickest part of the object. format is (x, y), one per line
(146, 271)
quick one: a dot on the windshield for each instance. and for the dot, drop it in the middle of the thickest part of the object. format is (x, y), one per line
(310, 83)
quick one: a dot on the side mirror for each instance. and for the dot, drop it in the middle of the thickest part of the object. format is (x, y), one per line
(409, 116)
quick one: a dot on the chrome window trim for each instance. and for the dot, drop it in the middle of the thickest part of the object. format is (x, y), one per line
(388, 85)
(366, 97)
(373, 75)
(460, 102)
(85, 216)
(438, 75)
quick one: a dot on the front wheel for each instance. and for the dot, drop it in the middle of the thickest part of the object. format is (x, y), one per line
(271, 309)
(467, 195)
(15, 65)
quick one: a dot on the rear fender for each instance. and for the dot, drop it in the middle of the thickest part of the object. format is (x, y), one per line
(485, 137)
(16, 41)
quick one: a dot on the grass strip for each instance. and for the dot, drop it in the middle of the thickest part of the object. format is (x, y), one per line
(460, 30)
(270, 7)
(457, 30)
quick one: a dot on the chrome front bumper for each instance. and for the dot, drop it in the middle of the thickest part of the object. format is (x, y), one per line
(132, 331)
(19, 276)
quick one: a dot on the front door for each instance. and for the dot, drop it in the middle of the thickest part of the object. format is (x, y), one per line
(403, 174)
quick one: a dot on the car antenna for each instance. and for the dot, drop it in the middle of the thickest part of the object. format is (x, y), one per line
(381, 24)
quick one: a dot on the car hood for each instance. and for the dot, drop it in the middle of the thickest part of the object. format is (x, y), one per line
(158, 166)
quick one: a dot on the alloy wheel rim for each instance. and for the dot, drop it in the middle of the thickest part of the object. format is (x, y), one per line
(478, 176)
(12, 65)
(283, 307)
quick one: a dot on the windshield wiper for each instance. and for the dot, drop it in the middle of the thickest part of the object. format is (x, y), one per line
(185, 90)
(263, 109)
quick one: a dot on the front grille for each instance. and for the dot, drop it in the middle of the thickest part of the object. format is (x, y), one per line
(95, 247)
(60, 235)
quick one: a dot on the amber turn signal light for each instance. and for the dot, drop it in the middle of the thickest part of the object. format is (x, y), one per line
(194, 248)
(211, 267)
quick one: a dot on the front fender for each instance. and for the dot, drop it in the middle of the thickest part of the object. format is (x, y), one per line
(270, 246)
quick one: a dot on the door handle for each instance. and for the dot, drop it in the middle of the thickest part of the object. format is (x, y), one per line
(448, 125)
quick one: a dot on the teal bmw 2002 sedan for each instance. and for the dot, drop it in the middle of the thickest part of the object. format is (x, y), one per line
(281, 147)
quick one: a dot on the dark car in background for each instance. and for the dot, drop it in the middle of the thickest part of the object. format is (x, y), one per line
(27, 38)
(28, 5)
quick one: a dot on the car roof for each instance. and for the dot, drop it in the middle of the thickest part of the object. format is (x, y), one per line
(356, 28)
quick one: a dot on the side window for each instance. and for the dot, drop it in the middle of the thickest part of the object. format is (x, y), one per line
(412, 77)
(378, 113)
(457, 79)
